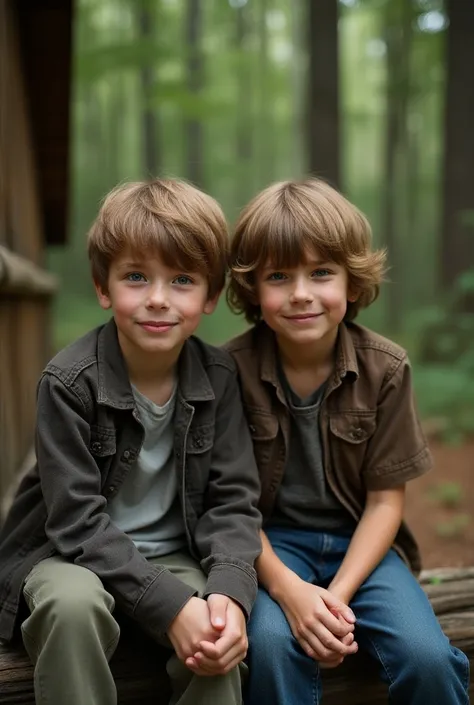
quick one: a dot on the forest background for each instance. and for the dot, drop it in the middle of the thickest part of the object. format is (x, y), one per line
(375, 95)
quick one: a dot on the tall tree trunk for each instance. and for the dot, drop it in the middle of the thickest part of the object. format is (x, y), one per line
(149, 122)
(395, 199)
(267, 139)
(193, 127)
(457, 251)
(298, 88)
(243, 141)
(322, 111)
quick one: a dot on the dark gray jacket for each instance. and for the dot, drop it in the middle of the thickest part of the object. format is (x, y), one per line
(88, 437)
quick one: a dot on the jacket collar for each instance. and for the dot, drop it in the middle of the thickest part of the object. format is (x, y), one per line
(114, 387)
(346, 360)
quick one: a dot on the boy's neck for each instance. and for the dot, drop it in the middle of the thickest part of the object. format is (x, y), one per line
(153, 375)
(307, 367)
(311, 356)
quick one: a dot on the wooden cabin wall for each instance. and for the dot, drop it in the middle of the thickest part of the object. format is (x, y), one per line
(24, 315)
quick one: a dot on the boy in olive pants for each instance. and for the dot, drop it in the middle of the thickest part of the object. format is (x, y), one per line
(143, 498)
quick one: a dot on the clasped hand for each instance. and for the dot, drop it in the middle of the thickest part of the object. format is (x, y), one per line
(321, 623)
(210, 637)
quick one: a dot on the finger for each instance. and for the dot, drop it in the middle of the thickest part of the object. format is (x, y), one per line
(217, 605)
(194, 666)
(220, 647)
(338, 627)
(333, 603)
(225, 662)
(323, 642)
(306, 647)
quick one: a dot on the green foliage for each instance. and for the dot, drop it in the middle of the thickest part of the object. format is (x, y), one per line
(444, 353)
(447, 494)
(454, 527)
(251, 109)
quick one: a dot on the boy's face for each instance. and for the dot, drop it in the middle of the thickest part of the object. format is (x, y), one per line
(305, 304)
(155, 308)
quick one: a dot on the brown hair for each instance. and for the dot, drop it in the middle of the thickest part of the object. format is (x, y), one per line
(185, 226)
(285, 220)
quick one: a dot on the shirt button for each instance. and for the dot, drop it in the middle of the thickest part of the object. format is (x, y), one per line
(198, 442)
(252, 429)
(357, 433)
(96, 447)
(126, 455)
(111, 489)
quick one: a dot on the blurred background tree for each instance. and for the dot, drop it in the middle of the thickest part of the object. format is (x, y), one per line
(374, 95)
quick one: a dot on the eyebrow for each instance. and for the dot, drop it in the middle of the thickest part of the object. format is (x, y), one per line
(309, 263)
(132, 265)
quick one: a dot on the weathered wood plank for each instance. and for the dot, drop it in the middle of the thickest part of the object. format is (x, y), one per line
(22, 276)
(139, 664)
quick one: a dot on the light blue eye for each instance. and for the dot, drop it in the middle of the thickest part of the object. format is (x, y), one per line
(135, 277)
(183, 280)
(318, 273)
(276, 276)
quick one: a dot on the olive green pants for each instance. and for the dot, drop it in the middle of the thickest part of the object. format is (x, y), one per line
(71, 635)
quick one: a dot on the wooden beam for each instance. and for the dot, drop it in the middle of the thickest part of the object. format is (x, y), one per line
(20, 276)
(139, 665)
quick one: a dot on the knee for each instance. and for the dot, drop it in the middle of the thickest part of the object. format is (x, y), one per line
(434, 662)
(270, 638)
(78, 607)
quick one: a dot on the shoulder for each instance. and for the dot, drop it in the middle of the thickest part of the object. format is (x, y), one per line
(72, 360)
(244, 343)
(244, 348)
(367, 339)
(376, 355)
(211, 356)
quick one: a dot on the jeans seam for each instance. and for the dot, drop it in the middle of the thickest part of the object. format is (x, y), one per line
(315, 680)
(466, 672)
(382, 661)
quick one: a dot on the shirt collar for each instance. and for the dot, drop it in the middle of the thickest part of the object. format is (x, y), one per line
(346, 360)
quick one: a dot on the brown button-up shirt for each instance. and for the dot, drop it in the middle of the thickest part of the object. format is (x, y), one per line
(370, 431)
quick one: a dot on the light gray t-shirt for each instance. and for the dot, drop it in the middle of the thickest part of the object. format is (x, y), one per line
(305, 499)
(147, 506)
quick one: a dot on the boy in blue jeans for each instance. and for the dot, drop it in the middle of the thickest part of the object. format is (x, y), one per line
(336, 437)
(143, 499)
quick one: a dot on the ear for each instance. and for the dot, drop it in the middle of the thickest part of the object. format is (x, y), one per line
(103, 297)
(352, 296)
(211, 304)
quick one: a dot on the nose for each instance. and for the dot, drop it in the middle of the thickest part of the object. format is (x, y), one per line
(301, 292)
(157, 296)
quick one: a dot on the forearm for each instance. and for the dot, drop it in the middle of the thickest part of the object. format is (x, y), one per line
(371, 541)
(272, 573)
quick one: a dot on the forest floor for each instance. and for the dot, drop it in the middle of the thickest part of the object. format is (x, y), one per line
(440, 507)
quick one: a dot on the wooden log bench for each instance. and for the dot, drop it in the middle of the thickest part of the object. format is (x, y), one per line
(139, 672)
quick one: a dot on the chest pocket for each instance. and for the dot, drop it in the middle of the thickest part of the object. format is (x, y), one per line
(102, 443)
(348, 438)
(200, 439)
(103, 448)
(199, 445)
(352, 427)
(263, 430)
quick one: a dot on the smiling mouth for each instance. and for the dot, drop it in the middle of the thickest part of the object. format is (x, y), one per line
(303, 316)
(157, 325)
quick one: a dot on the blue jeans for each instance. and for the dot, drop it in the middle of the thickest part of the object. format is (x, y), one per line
(395, 625)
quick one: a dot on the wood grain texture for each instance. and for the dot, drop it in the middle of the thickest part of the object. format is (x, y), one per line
(139, 665)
